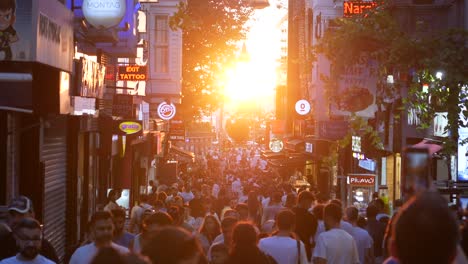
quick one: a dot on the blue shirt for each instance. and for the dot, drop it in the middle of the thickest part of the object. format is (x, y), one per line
(124, 239)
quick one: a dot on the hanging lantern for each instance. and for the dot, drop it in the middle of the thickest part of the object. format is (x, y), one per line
(259, 4)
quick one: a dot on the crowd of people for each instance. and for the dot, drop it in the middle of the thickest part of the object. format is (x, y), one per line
(231, 209)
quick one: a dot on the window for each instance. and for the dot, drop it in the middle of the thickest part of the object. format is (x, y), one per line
(162, 44)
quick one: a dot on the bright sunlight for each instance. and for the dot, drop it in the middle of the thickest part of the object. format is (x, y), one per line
(253, 81)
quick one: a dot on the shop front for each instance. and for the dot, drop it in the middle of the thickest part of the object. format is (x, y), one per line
(360, 188)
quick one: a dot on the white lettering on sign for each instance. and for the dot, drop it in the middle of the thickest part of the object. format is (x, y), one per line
(104, 13)
(362, 180)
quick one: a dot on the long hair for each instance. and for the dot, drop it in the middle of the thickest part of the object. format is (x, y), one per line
(245, 248)
(253, 205)
(203, 230)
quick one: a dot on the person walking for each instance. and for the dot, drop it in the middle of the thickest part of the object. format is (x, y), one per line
(363, 240)
(244, 248)
(306, 223)
(283, 246)
(102, 229)
(28, 234)
(121, 237)
(19, 208)
(335, 246)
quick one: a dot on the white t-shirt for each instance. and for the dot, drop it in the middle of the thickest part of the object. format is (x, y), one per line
(39, 259)
(86, 253)
(346, 226)
(283, 249)
(187, 196)
(320, 229)
(363, 241)
(337, 247)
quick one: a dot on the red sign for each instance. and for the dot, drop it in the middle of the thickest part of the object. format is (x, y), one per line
(361, 180)
(356, 8)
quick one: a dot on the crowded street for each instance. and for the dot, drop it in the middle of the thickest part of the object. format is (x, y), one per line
(233, 132)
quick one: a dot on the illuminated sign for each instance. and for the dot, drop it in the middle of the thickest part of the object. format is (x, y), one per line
(361, 180)
(166, 111)
(276, 145)
(302, 107)
(104, 13)
(132, 73)
(357, 8)
(130, 127)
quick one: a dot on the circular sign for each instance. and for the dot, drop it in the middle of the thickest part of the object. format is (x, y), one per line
(166, 111)
(302, 107)
(276, 145)
(104, 13)
(130, 127)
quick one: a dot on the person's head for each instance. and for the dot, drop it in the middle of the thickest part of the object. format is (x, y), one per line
(352, 214)
(337, 202)
(371, 212)
(102, 227)
(178, 201)
(231, 213)
(28, 236)
(286, 220)
(210, 226)
(243, 211)
(362, 222)
(305, 199)
(276, 198)
(143, 198)
(318, 211)
(425, 231)
(291, 200)
(379, 203)
(173, 245)
(156, 221)
(227, 225)
(18, 209)
(118, 218)
(112, 196)
(7, 13)
(332, 215)
(176, 214)
(244, 235)
(219, 254)
(162, 196)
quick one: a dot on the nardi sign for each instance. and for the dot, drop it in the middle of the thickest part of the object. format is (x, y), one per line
(128, 127)
(351, 8)
(132, 73)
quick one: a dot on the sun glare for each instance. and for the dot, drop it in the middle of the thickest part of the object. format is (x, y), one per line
(254, 80)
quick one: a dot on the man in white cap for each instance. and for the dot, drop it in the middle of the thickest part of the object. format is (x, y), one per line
(19, 208)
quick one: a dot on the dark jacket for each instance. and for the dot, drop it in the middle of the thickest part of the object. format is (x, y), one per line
(376, 230)
(9, 249)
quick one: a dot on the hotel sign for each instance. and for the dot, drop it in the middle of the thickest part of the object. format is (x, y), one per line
(132, 73)
(357, 8)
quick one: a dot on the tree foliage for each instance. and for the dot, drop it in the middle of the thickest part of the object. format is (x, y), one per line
(413, 58)
(211, 30)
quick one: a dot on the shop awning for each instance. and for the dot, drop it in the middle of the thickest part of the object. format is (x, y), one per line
(431, 146)
(183, 153)
(272, 155)
(295, 145)
(288, 162)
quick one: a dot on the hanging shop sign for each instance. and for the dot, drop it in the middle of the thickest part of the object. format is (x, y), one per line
(356, 144)
(361, 179)
(132, 73)
(103, 14)
(122, 106)
(90, 76)
(276, 145)
(351, 8)
(166, 111)
(128, 127)
(302, 107)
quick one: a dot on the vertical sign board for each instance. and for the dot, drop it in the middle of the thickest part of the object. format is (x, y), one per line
(357, 87)
(462, 162)
(123, 106)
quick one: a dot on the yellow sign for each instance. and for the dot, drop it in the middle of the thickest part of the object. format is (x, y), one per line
(130, 127)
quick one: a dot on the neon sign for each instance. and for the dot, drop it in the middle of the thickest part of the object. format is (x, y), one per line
(357, 8)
